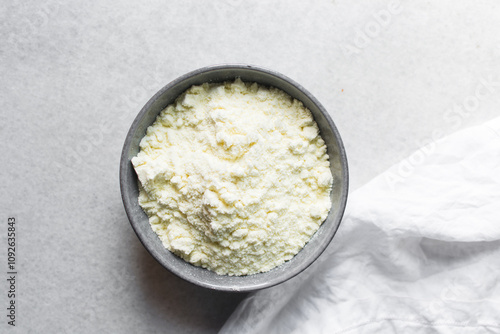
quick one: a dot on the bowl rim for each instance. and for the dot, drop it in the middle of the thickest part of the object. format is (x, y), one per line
(126, 198)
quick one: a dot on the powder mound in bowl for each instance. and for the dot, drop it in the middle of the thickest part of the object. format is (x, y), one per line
(234, 177)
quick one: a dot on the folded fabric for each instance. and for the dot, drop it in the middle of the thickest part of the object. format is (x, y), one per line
(418, 251)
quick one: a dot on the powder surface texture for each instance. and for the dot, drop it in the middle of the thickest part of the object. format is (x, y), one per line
(234, 177)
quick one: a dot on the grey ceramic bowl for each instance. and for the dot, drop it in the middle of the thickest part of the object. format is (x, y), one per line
(204, 277)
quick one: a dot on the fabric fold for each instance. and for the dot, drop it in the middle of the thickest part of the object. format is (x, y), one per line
(417, 252)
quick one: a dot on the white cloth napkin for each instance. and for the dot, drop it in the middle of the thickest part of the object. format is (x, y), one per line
(418, 251)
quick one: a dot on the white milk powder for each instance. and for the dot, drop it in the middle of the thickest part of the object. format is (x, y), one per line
(234, 177)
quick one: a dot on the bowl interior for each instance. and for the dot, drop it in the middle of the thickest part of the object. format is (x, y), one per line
(204, 277)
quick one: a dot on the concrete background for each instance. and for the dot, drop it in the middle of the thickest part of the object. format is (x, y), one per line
(394, 75)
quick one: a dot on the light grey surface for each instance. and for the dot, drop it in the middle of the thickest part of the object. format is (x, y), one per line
(74, 76)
